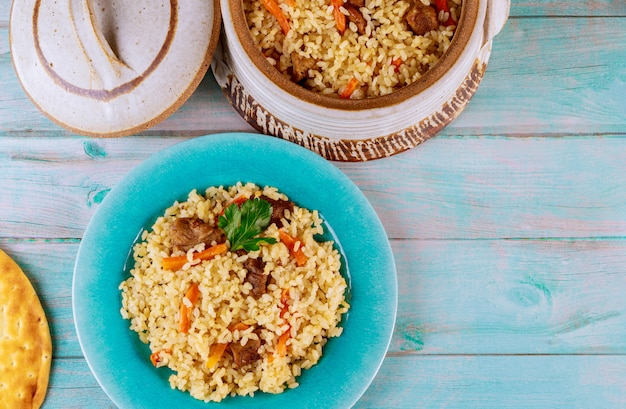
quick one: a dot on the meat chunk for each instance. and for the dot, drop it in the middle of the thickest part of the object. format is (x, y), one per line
(278, 208)
(421, 19)
(357, 3)
(272, 53)
(355, 16)
(245, 354)
(301, 66)
(186, 232)
(255, 276)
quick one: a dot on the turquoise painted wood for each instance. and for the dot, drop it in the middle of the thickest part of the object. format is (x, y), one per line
(568, 8)
(508, 229)
(449, 188)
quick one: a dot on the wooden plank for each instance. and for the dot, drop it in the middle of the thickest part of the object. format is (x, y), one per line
(542, 78)
(551, 76)
(5, 11)
(498, 382)
(449, 188)
(51, 186)
(500, 188)
(411, 382)
(511, 296)
(455, 297)
(569, 8)
(73, 386)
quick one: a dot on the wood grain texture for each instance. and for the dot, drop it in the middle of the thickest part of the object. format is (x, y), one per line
(74, 387)
(500, 188)
(551, 76)
(64, 179)
(449, 188)
(570, 8)
(510, 297)
(498, 382)
(508, 229)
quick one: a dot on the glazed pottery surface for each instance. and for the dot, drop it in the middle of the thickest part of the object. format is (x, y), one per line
(106, 68)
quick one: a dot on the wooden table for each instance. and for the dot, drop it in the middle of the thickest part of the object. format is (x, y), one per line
(508, 229)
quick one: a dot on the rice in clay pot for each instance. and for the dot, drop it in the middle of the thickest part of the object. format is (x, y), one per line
(354, 119)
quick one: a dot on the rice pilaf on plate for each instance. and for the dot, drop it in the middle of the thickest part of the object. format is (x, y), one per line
(353, 48)
(229, 319)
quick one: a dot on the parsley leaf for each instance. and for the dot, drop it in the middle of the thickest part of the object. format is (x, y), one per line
(242, 224)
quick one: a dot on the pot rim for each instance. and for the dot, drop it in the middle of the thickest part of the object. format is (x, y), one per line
(466, 25)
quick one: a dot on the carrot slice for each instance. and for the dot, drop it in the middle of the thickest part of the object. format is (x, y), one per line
(340, 18)
(442, 5)
(184, 322)
(238, 326)
(290, 242)
(281, 346)
(396, 62)
(238, 201)
(155, 357)
(349, 89)
(176, 263)
(215, 354)
(277, 12)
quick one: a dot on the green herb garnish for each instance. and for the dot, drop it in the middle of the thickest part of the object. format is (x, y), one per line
(242, 224)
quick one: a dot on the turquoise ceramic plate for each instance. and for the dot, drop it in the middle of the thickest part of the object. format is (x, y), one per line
(120, 362)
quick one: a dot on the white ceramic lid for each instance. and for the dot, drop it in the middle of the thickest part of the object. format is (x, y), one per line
(111, 68)
(360, 129)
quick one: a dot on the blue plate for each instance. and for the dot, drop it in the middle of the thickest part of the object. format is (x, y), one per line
(120, 362)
